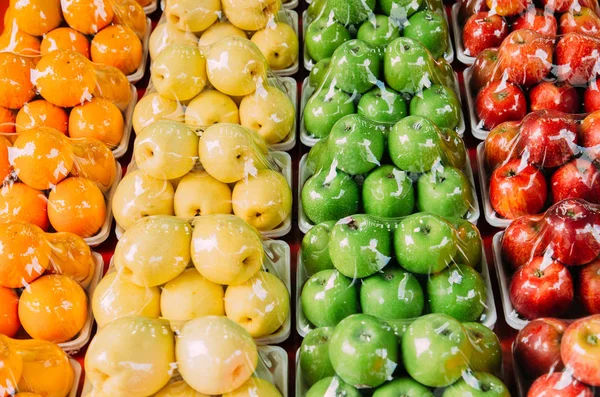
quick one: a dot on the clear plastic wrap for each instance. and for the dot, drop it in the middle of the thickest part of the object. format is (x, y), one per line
(548, 264)
(548, 157)
(558, 357)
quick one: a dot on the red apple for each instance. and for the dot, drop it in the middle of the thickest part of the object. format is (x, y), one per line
(565, 5)
(573, 228)
(554, 96)
(517, 189)
(541, 288)
(549, 138)
(589, 287)
(580, 349)
(579, 178)
(482, 31)
(577, 58)
(498, 102)
(558, 384)
(501, 144)
(523, 240)
(583, 20)
(508, 7)
(525, 57)
(470, 7)
(537, 347)
(485, 69)
(538, 20)
(591, 97)
(589, 134)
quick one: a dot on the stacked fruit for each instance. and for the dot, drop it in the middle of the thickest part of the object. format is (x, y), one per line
(559, 357)
(554, 258)
(377, 23)
(539, 161)
(199, 24)
(136, 356)
(487, 22)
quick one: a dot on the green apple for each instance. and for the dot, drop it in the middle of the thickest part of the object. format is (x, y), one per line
(439, 103)
(382, 105)
(458, 291)
(355, 67)
(469, 243)
(455, 152)
(403, 387)
(359, 246)
(487, 352)
(317, 8)
(392, 293)
(415, 144)
(478, 384)
(356, 144)
(444, 191)
(324, 108)
(351, 12)
(425, 243)
(323, 36)
(379, 32)
(388, 192)
(332, 387)
(318, 73)
(436, 350)
(330, 195)
(315, 248)
(314, 355)
(318, 157)
(408, 66)
(431, 29)
(328, 297)
(363, 351)
(400, 9)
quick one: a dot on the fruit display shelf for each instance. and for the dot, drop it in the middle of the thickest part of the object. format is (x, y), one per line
(484, 183)
(139, 73)
(120, 150)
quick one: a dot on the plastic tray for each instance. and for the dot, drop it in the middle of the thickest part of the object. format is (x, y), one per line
(484, 183)
(309, 63)
(458, 44)
(308, 91)
(290, 5)
(150, 8)
(303, 326)
(291, 89)
(121, 149)
(76, 377)
(478, 132)
(305, 224)
(139, 73)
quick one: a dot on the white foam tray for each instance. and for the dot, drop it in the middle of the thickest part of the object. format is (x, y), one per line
(306, 224)
(123, 145)
(484, 183)
(308, 91)
(290, 5)
(478, 131)
(150, 8)
(139, 73)
(76, 377)
(458, 42)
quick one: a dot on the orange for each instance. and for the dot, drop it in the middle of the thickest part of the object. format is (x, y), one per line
(9, 316)
(24, 254)
(77, 205)
(87, 16)
(71, 257)
(94, 161)
(113, 85)
(117, 46)
(100, 119)
(41, 113)
(42, 157)
(15, 40)
(11, 366)
(16, 87)
(27, 394)
(7, 120)
(5, 166)
(65, 78)
(19, 202)
(65, 39)
(53, 308)
(130, 13)
(37, 17)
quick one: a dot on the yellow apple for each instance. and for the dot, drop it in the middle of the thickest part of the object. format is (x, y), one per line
(211, 107)
(270, 112)
(117, 296)
(131, 357)
(166, 149)
(261, 304)
(154, 107)
(166, 34)
(264, 201)
(215, 355)
(236, 66)
(255, 387)
(179, 72)
(155, 250)
(279, 44)
(250, 14)
(225, 249)
(218, 31)
(192, 15)
(230, 152)
(188, 296)
(178, 389)
(198, 193)
(139, 195)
